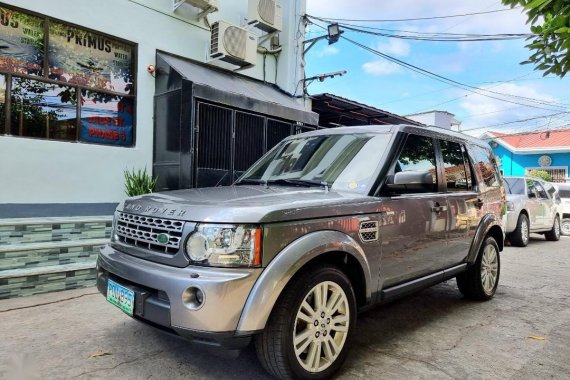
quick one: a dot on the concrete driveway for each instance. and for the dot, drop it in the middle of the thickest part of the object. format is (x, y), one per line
(522, 333)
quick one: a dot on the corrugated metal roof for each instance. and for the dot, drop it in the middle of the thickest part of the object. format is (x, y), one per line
(544, 139)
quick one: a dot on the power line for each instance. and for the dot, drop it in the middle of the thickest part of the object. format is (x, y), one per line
(418, 18)
(516, 121)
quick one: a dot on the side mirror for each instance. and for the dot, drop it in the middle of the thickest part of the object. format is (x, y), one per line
(412, 181)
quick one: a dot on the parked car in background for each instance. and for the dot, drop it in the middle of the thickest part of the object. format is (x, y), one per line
(531, 208)
(564, 194)
(327, 223)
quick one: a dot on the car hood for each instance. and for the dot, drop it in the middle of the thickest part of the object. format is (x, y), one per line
(249, 204)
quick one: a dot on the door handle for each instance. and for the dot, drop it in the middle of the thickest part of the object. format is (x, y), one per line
(437, 208)
(478, 203)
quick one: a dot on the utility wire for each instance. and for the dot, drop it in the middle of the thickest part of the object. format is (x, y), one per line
(419, 18)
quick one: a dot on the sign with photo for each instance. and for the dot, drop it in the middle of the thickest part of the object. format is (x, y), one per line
(89, 59)
(21, 42)
(106, 119)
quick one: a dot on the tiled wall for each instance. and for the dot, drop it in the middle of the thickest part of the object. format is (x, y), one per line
(38, 233)
(26, 286)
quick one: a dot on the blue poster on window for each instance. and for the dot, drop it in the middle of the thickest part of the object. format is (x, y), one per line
(106, 119)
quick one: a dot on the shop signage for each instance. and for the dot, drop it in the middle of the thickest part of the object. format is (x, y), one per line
(109, 123)
(89, 59)
(21, 42)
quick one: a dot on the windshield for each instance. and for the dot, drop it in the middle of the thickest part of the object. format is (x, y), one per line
(515, 185)
(344, 162)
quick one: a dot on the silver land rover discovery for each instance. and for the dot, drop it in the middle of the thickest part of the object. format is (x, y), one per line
(324, 225)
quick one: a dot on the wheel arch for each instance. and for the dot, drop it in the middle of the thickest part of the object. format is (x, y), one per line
(318, 247)
(489, 226)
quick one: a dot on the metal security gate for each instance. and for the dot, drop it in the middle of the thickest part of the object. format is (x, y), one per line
(228, 141)
(559, 174)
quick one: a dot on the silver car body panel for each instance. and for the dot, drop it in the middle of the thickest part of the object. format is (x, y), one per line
(226, 290)
(288, 262)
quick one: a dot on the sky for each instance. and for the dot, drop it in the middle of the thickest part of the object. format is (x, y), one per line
(489, 65)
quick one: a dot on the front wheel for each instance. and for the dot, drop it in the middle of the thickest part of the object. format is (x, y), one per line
(565, 227)
(480, 281)
(554, 233)
(520, 236)
(308, 333)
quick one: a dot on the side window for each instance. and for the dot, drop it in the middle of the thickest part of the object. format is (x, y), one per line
(415, 169)
(484, 163)
(540, 190)
(457, 172)
(531, 188)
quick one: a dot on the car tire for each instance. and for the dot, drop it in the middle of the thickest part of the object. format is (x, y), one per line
(554, 233)
(303, 337)
(480, 281)
(521, 235)
(565, 227)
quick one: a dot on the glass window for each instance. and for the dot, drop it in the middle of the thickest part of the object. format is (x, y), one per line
(455, 164)
(484, 160)
(106, 119)
(345, 162)
(21, 42)
(89, 59)
(418, 156)
(514, 185)
(43, 110)
(540, 190)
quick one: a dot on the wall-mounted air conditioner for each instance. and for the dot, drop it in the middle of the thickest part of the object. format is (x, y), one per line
(202, 4)
(233, 44)
(266, 15)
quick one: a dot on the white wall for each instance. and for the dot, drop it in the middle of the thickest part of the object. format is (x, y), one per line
(42, 171)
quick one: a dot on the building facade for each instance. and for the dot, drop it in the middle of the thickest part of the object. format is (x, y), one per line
(89, 90)
(521, 153)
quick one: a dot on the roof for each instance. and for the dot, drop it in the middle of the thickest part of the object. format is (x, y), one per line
(555, 141)
(337, 111)
(432, 111)
(238, 90)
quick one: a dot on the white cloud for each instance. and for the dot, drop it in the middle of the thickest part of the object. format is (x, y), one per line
(394, 46)
(328, 51)
(379, 67)
(485, 111)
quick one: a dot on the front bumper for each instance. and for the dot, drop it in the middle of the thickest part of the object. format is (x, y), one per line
(159, 298)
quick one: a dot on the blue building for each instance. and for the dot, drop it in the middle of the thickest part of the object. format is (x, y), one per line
(520, 153)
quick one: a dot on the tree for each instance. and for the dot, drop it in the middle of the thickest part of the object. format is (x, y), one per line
(550, 24)
(541, 174)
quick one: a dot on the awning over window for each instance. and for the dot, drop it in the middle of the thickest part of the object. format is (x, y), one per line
(239, 91)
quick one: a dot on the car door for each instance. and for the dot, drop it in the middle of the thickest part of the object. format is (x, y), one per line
(533, 205)
(462, 201)
(414, 215)
(546, 206)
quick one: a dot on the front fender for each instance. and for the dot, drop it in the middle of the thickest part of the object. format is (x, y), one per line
(283, 267)
(487, 222)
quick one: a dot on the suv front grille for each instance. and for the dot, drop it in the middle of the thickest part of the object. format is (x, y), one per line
(143, 231)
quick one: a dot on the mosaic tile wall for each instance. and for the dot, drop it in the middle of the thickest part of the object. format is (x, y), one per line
(47, 257)
(40, 233)
(29, 285)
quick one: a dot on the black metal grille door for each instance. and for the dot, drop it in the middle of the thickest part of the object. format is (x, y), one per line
(277, 131)
(249, 141)
(214, 139)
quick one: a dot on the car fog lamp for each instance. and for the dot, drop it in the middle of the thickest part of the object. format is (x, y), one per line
(510, 206)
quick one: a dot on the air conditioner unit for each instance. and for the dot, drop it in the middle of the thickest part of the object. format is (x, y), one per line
(266, 15)
(202, 4)
(233, 44)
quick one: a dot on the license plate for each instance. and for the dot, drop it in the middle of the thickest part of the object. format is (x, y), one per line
(121, 297)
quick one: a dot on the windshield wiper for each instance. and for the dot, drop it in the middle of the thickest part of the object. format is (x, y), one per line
(299, 182)
(249, 181)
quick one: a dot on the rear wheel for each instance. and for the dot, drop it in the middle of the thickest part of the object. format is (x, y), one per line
(480, 281)
(554, 233)
(565, 227)
(520, 236)
(308, 333)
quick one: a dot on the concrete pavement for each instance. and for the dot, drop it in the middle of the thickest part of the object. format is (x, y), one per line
(432, 334)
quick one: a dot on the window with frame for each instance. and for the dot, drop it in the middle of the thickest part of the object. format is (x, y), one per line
(64, 82)
(418, 159)
(456, 166)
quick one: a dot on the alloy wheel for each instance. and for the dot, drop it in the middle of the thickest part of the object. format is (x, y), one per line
(489, 269)
(321, 326)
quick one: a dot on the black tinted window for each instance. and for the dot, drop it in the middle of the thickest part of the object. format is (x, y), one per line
(457, 173)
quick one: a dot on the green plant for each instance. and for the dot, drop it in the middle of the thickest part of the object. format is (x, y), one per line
(541, 174)
(138, 182)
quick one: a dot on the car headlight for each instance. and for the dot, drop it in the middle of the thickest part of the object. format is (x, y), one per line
(510, 206)
(225, 245)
